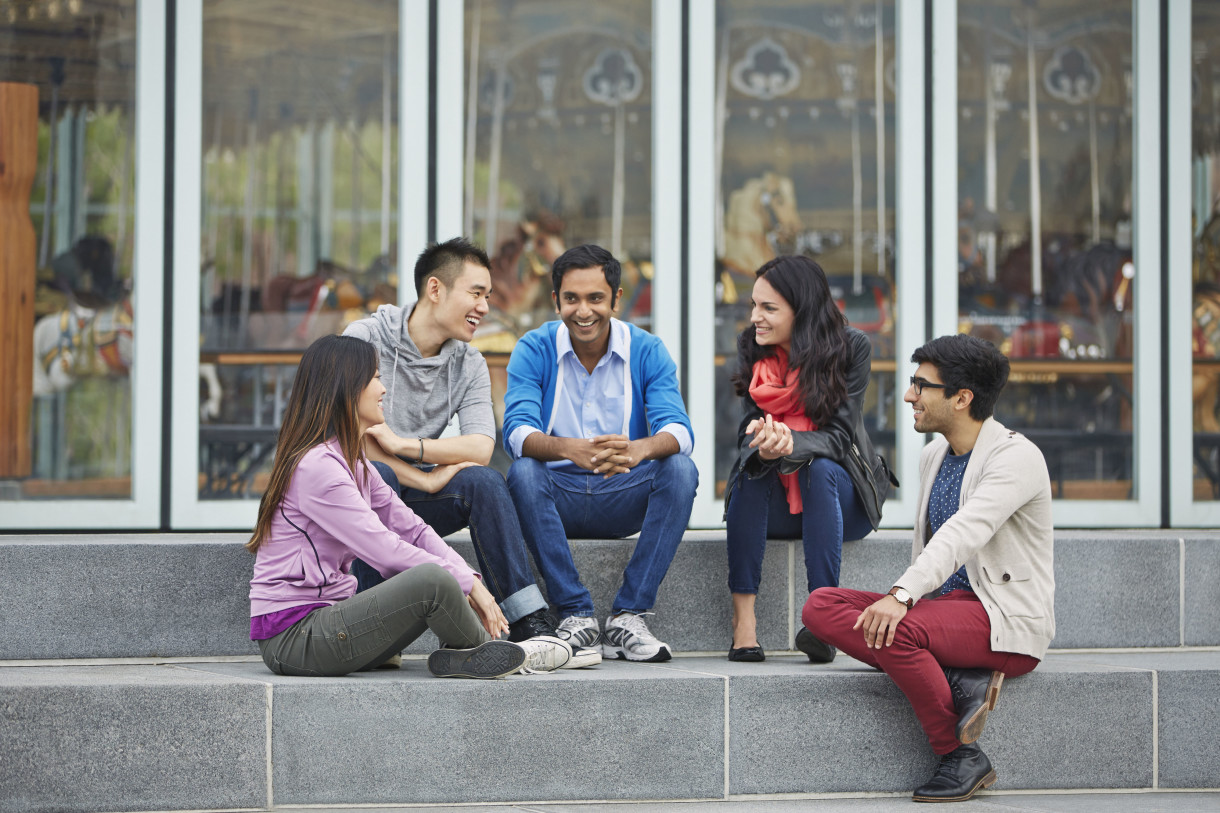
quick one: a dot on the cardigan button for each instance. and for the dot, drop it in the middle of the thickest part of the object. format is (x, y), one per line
(1007, 577)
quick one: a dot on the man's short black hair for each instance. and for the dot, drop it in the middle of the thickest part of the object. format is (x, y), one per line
(588, 256)
(446, 260)
(967, 363)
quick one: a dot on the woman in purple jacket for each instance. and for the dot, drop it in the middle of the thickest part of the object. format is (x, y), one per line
(325, 506)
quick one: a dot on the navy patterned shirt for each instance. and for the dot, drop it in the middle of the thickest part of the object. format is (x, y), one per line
(942, 504)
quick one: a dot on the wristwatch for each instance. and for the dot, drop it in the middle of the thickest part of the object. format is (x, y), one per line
(902, 595)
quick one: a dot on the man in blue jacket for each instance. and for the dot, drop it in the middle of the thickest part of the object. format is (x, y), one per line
(601, 442)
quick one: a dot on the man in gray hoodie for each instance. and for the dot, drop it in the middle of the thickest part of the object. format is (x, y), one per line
(431, 374)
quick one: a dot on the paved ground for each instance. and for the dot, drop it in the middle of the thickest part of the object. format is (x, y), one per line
(1206, 802)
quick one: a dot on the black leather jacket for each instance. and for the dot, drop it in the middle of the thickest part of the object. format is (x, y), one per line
(843, 439)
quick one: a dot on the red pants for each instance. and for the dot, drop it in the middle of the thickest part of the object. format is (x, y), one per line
(949, 631)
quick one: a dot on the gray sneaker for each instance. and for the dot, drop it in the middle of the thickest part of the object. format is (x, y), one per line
(579, 631)
(627, 638)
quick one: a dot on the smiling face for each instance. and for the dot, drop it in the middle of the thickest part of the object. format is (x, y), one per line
(368, 405)
(771, 316)
(459, 309)
(933, 411)
(585, 303)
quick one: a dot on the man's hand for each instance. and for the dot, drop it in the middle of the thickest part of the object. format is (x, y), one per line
(772, 438)
(880, 621)
(617, 454)
(488, 611)
(390, 442)
(439, 477)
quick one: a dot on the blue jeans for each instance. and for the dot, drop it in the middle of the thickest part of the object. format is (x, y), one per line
(477, 498)
(759, 508)
(654, 498)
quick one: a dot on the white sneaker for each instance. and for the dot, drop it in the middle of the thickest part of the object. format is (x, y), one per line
(579, 631)
(627, 638)
(544, 653)
(584, 656)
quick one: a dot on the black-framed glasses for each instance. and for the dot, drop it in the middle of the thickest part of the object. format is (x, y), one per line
(919, 384)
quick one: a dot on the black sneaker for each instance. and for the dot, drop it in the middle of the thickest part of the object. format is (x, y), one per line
(489, 660)
(531, 626)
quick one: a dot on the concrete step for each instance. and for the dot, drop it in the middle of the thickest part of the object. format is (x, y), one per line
(177, 595)
(211, 736)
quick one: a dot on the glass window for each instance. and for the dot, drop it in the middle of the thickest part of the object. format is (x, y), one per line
(558, 136)
(805, 151)
(67, 203)
(1205, 221)
(300, 208)
(1045, 266)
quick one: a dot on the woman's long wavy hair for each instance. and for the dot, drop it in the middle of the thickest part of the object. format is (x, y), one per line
(819, 350)
(332, 374)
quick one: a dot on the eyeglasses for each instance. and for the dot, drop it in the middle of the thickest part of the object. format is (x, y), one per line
(919, 384)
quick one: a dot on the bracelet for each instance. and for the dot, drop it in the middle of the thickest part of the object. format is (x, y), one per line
(421, 450)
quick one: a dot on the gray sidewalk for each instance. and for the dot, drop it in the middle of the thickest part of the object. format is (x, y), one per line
(1188, 802)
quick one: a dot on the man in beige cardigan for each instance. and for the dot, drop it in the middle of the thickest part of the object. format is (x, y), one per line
(977, 602)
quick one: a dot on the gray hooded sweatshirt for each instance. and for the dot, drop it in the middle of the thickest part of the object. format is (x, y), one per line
(423, 394)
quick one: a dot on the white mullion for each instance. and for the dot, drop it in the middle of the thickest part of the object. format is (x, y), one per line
(944, 169)
(149, 289)
(667, 176)
(451, 118)
(186, 511)
(701, 256)
(413, 140)
(909, 237)
(1184, 510)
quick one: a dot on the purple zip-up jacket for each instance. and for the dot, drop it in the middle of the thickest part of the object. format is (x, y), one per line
(327, 518)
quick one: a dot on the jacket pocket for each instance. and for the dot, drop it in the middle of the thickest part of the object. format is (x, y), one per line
(1011, 585)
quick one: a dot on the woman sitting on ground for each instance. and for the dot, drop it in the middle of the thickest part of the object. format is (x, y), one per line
(325, 506)
(806, 468)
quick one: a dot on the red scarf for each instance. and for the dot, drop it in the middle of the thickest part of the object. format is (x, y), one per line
(776, 390)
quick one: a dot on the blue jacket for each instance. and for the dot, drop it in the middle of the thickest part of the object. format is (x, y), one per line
(533, 371)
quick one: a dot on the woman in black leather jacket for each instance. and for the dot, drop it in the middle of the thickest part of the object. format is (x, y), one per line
(806, 468)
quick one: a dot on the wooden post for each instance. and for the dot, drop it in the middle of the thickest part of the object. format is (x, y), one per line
(18, 162)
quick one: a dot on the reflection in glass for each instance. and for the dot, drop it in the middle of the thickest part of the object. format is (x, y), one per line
(805, 155)
(1205, 177)
(558, 139)
(82, 205)
(558, 150)
(1044, 228)
(300, 117)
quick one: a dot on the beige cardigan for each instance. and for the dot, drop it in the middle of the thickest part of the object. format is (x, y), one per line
(1002, 533)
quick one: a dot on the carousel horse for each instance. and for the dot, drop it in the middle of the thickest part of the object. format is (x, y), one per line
(761, 222)
(521, 269)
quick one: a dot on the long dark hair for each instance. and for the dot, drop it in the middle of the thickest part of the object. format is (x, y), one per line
(332, 374)
(819, 350)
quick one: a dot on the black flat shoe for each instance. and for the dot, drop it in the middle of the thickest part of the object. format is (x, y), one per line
(747, 654)
(818, 651)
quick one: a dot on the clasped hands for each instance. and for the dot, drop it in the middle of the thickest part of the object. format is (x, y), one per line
(772, 438)
(607, 454)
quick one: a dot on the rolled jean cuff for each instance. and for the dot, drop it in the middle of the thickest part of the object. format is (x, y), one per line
(523, 602)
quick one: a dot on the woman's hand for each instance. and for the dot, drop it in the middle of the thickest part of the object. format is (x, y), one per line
(386, 439)
(440, 476)
(772, 438)
(485, 607)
